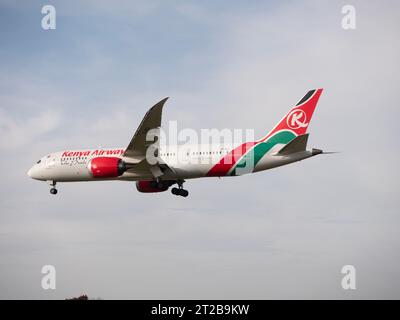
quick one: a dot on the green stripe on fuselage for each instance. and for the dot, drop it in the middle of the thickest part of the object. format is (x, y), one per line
(262, 148)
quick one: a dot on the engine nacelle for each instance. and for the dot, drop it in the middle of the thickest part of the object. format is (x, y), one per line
(148, 186)
(106, 167)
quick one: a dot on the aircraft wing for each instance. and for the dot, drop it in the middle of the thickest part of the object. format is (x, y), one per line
(135, 153)
(152, 120)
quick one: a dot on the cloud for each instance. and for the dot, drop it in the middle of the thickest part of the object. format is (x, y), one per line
(18, 132)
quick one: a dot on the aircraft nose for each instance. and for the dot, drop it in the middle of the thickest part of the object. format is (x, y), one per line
(29, 173)
(32, 173)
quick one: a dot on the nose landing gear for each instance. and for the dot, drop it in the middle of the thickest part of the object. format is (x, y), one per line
(53, 190)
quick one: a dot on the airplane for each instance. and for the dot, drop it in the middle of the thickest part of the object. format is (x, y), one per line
(284, 144)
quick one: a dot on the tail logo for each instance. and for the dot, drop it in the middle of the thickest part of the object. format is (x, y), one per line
(296, 119)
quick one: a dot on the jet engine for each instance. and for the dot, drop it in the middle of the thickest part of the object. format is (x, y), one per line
(107, 167)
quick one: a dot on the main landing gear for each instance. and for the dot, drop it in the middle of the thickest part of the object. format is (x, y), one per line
(53, 189)
(163, 185)
(180, 191)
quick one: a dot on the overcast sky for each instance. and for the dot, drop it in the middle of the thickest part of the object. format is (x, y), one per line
(284, 233)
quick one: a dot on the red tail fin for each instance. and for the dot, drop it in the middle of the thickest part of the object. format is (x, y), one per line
(299, 117)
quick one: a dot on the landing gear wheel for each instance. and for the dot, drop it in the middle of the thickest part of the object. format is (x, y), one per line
(180, 191)
(175, 191)
(52, 184)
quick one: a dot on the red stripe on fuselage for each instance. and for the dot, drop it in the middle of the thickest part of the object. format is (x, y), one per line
(229, 160)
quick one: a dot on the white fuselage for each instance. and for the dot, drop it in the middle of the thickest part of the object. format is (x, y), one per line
(156, 167)
(186, 162)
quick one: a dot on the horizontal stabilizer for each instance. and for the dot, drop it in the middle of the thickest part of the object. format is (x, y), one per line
(296, 145)
(319, 151)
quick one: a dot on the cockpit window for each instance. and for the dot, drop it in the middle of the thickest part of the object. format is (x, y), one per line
(39, 161)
